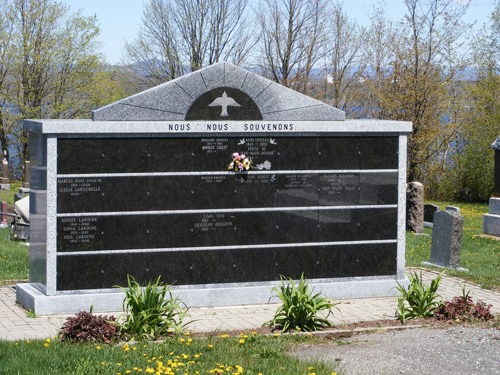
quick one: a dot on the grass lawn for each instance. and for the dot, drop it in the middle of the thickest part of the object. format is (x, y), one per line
(481, 256)
(8, 195)
(247, 354)
(14, 259)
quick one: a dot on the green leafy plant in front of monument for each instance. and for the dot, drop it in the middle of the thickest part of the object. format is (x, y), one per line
(419, 300)
(87, 327)
(462, 308)
(150, 311)
(301, 308)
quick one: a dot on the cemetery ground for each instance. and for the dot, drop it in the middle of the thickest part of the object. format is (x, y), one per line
(260, 350)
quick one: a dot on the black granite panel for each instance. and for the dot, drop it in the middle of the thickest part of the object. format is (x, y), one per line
(358, 153)
(81, 155)
(191, 230)
(338, 153)
(172, 267)
(124, 155)
(263, 152)
(295, 261)
(79, 272)
(378, 188)
(254, 191)
(170, 154)
(224, 103)
(214, 154)
(357, 260)
(125, 232)
(192, 267)
(116, 267)
(298, 153)
(125, 194)
(276, 227)
(378, 224)
(93, 233)
(378, 152)
(213, 191)
(170, 193)
(81, 233)
(79, 195)
(338, 225)
(102, 155)
(339, 189)
(297, 190)
(255, 265)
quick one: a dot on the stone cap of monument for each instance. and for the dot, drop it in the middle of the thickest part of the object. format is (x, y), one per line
(173, 100)
(496, 145)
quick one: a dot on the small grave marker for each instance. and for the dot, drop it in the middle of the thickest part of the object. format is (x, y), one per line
(446, 244)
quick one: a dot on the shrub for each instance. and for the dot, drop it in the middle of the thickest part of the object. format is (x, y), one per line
(88, 327)
(149, 312)
(300, 307)
(462, 308)
(419, 300)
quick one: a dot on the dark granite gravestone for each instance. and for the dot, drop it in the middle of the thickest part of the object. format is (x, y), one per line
(491, 220)
(429, 211)
(144, 189)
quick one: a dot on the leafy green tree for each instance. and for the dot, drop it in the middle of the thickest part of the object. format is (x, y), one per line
(470, 173)
(421, 62)
(50, 62)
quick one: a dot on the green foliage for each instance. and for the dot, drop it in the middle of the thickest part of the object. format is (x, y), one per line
(86, 327)
(419, 300)
(151, 310)
(300, 307)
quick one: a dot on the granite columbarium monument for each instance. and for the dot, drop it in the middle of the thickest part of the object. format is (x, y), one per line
(146, 189)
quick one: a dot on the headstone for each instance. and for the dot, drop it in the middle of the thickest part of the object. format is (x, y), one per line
(415, 207)
(429, 210)
(453, 209)
(5, 185)
(491, 221)
(144, 189)
(4, 218)
(446, 244)
(25, 189)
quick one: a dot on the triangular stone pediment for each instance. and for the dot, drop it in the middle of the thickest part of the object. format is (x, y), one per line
(221, 91)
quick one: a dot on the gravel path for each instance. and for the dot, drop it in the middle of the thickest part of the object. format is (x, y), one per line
(457, 350)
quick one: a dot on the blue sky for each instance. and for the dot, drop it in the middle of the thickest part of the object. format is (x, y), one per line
(120, 19)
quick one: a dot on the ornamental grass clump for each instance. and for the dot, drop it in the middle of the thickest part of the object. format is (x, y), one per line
(419, 301)
(152, 310)
(86, 327)
(300, 309)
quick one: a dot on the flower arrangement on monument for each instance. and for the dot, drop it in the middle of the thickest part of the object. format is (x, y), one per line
(240, 163)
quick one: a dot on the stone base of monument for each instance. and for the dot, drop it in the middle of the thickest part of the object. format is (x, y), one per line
(24, 191)
(491, 220)
(438, 266)
(111, 300)
(4, 186)
(491, 225)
